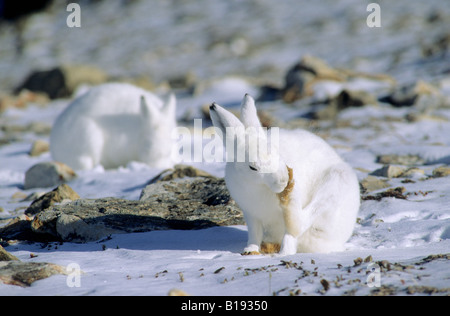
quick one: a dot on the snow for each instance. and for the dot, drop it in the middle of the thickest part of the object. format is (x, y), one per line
(208, 262)
(152, 263)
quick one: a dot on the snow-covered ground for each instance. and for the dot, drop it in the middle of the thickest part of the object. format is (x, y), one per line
(152, 263)
(407, 233)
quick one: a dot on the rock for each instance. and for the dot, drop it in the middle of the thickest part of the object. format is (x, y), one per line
(62, 81)
(438, 47)
(417, 117)
(13, 12)
(48, 174)
(6, 256)
(397, 193)
(440, 172)
(372, 183)
(406, 160)
(58, 195)
(344, 100)
(301, 77)
(413, 173)
(389, 171)
(18, 228)
(76, 75)
(191, 203)
(420, 94)
(50, 82)
(177, 292)
(351, 98)
(39, 147)
(178, 172)
(26, 273)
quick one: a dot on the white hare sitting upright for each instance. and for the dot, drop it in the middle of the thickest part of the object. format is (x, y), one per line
(113, 124)
(306, 202)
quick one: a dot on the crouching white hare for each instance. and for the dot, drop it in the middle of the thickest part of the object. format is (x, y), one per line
(306, 202)
(113, 124)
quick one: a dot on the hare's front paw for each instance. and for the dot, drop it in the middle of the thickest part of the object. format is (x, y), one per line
(251, 250)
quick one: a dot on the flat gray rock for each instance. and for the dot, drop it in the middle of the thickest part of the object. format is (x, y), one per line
(184, 204)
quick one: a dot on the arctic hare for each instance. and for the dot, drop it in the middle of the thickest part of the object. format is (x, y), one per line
(113, 124)
(306, 202)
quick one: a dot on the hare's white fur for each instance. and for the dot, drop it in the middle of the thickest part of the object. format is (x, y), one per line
(321, 210)
(113, 124)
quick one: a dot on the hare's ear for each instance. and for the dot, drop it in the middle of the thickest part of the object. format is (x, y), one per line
(249, 114)
(222, 118)
(149, 112)
(170, 106)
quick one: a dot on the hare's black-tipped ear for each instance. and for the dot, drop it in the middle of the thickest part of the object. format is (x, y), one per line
(222, 118)
(249, 114)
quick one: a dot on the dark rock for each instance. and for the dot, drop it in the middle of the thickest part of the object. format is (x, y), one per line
(62, 81)
(350, 98)
(397, 193)
(14, 9)
(52, 82)
(18, 228)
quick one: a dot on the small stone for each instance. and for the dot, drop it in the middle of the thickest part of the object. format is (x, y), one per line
(6, 256)
(48, 174)
(372, 183)
(440, 172)
(358, 261)
(177, 292)
(413, 173)
(178, 172)
(325, 284)
(301, 77)
(26, 273)
(405, 160)
(389, 171)
(350, 98)
(38, 148)
(417, 95)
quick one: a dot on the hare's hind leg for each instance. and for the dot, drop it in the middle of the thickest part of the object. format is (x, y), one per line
(291, 215)
(89, 145)
(329, 218)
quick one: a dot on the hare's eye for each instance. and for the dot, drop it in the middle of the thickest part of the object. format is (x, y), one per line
(253, 168)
